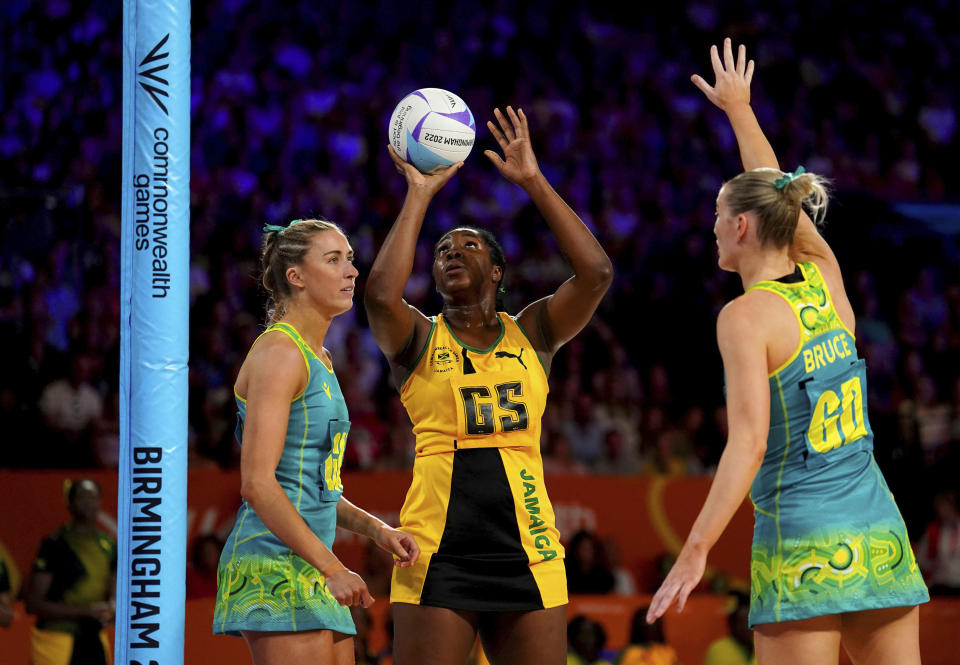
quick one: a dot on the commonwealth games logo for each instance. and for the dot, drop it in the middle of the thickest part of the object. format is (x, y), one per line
(150, 69)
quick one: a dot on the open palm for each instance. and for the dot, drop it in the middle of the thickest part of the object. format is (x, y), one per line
(733, 77)
(518, 164)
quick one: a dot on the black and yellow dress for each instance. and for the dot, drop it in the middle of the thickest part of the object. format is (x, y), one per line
(477, 506)
(82, 564)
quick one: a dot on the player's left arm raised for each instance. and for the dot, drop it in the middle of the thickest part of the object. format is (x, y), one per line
(731, 93)
(554, 320)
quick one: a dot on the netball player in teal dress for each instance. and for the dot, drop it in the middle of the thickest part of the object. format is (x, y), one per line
(279, 583)
(831, 562)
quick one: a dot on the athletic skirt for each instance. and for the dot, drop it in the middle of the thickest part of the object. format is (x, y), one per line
(486, 533)
(841, 548)
(263, 585)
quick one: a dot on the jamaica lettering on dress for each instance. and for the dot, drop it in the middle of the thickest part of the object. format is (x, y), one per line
(537, 529)
(827, 352)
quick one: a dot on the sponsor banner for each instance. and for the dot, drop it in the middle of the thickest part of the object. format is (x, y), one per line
(151, 497)
(643, 517)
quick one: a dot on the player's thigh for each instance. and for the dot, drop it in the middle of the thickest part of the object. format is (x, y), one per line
(424, 635)
(343, 653)
(879, 637)
(813, 641)
(285, 647)
(521, 638)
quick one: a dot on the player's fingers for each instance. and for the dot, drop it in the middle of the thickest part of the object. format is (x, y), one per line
(366, 599)
(447, 174)
(413, 549)
(399, 549)
(412, 553)
(514, 122)
(749, 75)
(652, 614)
(658, 606)
(394, 156)
(497, 135)
(741, 59)
(495, 158)
(441, 169)
(682, 595)
(705, 87)
(715, 61)
(524, 125)
(504, 125)
(728, 55)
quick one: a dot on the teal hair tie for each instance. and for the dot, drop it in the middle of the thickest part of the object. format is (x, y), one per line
(274, 228)
(785, 179)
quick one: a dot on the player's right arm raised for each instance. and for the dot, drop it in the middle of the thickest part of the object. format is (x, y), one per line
(731, 94)
(397, 326)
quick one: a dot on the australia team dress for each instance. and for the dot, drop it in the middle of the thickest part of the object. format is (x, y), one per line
(477, 505)
(828, 537)
(261, 583)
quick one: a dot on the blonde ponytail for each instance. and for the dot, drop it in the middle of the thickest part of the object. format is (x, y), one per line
(777, 199)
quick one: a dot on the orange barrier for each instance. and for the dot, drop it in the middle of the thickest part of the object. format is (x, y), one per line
(645, 516)
(690, 632)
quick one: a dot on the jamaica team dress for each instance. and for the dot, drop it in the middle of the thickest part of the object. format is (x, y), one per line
(828, 537)
(477, 505)
(261, 583)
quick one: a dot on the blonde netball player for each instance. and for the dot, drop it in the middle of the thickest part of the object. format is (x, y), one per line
(474, 382)
(279, 585)
(831, 561)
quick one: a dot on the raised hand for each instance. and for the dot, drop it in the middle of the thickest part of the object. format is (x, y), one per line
(401, 545)
(519, 164)
(427, 184)
(733, 78)
(681, 580)
(348, 588)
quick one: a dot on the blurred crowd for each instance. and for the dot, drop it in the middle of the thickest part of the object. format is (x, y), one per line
(289, 112)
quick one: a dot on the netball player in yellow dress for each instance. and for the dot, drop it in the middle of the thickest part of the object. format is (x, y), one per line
(474, 382)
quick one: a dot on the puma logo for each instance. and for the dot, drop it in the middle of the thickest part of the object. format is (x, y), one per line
(504, 354)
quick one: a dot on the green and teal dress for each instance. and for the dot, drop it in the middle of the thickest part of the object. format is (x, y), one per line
(261, 584)
(828, 537)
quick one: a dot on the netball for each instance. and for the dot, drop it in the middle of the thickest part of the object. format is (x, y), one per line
(432, 127)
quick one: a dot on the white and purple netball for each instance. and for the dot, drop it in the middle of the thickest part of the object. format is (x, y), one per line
(432, 127)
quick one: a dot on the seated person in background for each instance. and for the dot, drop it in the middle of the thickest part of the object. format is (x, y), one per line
(71, 586)
(587, 569)
(647, 644)
(939, 551)
(737, 647)
(585, 642)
